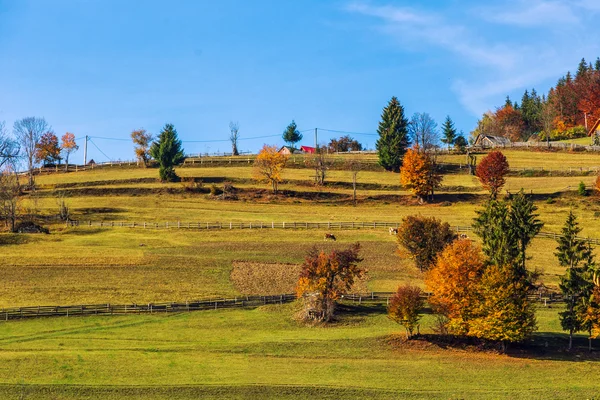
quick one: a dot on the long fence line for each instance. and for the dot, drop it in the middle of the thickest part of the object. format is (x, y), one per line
(331, 225)
(14, 313)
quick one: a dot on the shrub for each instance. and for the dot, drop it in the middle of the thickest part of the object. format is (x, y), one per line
(491, 172)
(422, 238)
(581, 189)
(404, 308)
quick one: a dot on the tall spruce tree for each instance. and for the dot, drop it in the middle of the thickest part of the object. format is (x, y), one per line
(524, 225)
(168, 152)
(291, 135)
(576, 284)
(393, 136)
(448, 132)
(492, 224)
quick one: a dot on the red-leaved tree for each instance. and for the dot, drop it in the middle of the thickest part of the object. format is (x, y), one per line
(405, 307)
(491, 172)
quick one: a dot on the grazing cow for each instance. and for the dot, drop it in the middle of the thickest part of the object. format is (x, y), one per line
(393, 231)
(329, 236)
(463, 236)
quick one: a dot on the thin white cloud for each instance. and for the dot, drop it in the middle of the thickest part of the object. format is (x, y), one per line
(532, 13)
(409, 24)
(498, 64)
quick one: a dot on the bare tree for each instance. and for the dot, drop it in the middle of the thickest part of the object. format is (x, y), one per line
(10, 190)
(547, 116)
(28, 132)
(422, 130)
(320, 163)
(234, 129)
(355, 166)
(9, 150)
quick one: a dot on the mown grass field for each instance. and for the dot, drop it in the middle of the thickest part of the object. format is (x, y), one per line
(259, 353)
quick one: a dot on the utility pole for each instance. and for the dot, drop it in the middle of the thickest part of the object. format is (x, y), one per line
(316, 145)
(85, 151)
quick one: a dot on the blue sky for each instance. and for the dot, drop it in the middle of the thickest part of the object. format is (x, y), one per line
(104, 67)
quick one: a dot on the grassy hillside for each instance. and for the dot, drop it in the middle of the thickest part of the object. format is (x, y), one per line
(261, 353)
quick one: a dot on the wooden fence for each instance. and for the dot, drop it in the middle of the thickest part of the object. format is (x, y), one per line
(14, 313)
(331, 225)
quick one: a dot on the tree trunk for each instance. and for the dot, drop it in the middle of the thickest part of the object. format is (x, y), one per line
(590, 344)
(570, 339)
(354, 189)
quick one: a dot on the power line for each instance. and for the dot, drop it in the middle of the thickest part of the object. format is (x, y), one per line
(91, 141)
(346, 132)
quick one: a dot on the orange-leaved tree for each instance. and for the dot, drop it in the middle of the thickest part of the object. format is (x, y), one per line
(454, 282)
(423, 238)
(325, 278)
(405, 306)
(418, 173)
(68, 146)
(47, 149)
(142, 141)
(597, 185)
(491, 172)
(268, 166)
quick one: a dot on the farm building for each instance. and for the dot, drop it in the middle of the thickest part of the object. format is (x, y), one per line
(287, 150)
(491, 141)
(308, 150)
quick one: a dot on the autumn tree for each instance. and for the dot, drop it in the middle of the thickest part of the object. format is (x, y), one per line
(269, 165)
(448, 132)
(422, 130)
(503, 312)
(234, 135)
(344, 144)
(418, 173)
(423, 238)
(576, 286)
(393, 136)
(591, 313)
(47, 149)
(491, 172)
(405, 306)
(454, 282)
(291, 134)
(68, 146)
(142, 142)
(325, 278)
(168, 152)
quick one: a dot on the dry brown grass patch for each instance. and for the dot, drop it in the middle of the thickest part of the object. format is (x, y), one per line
(258, 278)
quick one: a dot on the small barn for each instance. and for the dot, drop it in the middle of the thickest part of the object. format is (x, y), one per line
(491, 141)
(308, 150)
(287, 150)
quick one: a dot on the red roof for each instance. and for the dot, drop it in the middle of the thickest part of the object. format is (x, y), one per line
(307, 149)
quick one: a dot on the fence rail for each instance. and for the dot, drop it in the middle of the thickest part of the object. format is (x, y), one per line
(14, 313)
(331, 225)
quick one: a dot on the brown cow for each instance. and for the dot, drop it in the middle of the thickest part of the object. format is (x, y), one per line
(330, 236)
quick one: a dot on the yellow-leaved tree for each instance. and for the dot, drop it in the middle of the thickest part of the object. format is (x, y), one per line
(268, 166)
(418, 173)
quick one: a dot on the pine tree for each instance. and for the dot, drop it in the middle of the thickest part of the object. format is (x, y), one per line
(575, 284)
(448, 132)
(524, 225)
(597, 64)
(582, 69)
(291, 135)
(167, 151)
(492, 224)
(393, 136)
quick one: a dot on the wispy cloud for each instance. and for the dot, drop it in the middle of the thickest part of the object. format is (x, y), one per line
(496, 63)
(531, 13)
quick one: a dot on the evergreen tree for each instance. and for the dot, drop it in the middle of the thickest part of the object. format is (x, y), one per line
(448, 132)
(524, 225)
(393, 136)
(291, 135)
(575, 284)
(460, 143)
(597, 64)
(168, 152)
(582, 69)
(492, 224)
